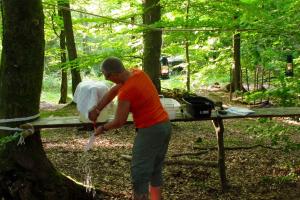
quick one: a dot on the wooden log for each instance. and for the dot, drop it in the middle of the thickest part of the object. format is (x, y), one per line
(190, 153)
(182, 162)
(238, 148)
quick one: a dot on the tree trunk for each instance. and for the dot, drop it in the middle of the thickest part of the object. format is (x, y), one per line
(188, 74)
(152, 42)
(25, 171)
(72, 53)
(247, 79)
(187, 56)
(237, 84)
(21, 69)
(63, 58)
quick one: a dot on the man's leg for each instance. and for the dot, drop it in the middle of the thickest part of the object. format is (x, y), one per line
(155, 193)
(140, 196)
(142, 164)
(148, 153)
(156, 178)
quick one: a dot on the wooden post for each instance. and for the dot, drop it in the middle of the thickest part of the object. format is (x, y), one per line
(219, 128)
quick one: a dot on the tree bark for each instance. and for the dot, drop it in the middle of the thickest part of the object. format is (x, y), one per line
(187, 56)
(72, 53)
(63, 58)
(152, 42)
(237, 84)
(25, 171)
(23, 51)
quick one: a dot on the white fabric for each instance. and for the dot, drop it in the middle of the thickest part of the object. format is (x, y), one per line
(87, 95)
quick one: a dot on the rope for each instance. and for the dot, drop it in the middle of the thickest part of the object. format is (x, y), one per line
(26, 129)
(151, 27)
(10, 129)
(103, 17)
(20, 119)
(202, 29)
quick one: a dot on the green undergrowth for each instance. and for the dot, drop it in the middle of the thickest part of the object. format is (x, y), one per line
(68, 110)
(7, 139)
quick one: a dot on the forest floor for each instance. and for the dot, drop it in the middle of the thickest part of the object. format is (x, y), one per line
(268, 169)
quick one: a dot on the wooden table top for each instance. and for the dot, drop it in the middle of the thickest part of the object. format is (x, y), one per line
(74, 121)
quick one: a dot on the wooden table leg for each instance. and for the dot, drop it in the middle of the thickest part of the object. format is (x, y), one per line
(219, 127)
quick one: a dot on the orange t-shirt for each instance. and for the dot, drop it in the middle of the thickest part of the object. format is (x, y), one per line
(145, 105)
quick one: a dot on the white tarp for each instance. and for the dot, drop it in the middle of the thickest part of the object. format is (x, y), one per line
(88, 94)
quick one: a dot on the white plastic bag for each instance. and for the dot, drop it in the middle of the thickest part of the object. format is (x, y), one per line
(87, 95)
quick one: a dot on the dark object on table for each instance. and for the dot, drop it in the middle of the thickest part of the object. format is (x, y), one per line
(199, 107)
(219, 108)
(222, 112)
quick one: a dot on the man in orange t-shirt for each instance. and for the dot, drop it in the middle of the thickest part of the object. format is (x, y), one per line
(138, 95)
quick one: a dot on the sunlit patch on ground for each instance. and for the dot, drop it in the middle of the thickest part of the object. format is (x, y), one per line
(78, 144)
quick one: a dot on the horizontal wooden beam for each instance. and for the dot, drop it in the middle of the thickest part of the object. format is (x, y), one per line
(74, 121)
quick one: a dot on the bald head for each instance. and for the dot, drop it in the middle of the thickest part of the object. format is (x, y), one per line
(112, 65)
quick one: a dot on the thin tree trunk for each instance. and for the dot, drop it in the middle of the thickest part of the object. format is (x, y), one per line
(188, 76)
(236, 78)
(152, 42)
(269, 83)
(132, 20)
(247, 79)
(237, 62)
(63, 58)
(257, 77)
(72, 53)
(256, 74)
(230, 85)
(262, 82)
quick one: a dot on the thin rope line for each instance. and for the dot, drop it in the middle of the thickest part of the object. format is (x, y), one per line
(165, 29)
(19, 119)
(150, 27)
(104, 17)
(5, 128)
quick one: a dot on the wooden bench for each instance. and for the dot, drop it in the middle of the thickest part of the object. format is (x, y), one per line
(216, 118)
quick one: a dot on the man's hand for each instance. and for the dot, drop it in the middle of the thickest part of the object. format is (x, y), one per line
(93, 114)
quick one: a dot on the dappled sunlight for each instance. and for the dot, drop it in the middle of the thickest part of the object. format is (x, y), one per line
(102, 142)
(77, 144)
(251, 170)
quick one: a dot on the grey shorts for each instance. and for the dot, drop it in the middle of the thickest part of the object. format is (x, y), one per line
(148, 153)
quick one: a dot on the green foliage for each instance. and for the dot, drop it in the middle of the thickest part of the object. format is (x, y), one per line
(8, 139)
(68, 110)
(277, 133)
(280, 180)
(268, 33)
(174, 82)
(255, 96)
(51, 88)
(284, 93)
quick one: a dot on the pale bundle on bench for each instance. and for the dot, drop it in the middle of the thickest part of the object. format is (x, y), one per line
(87, 95)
